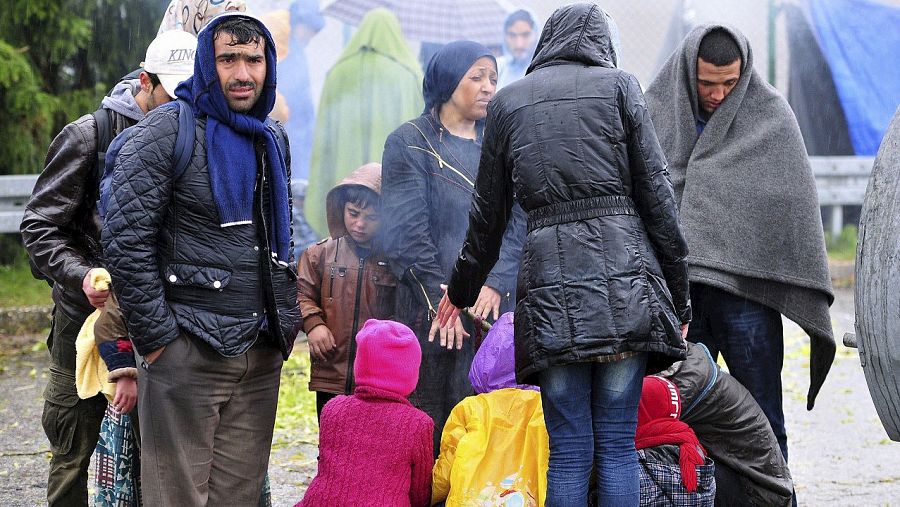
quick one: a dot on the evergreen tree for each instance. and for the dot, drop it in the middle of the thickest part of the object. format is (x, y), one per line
(57, 59)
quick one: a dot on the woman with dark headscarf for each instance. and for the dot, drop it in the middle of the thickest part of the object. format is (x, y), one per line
(572, 143)
(428, 177)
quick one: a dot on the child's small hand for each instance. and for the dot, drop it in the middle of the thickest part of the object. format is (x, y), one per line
(321, 342)
(126, 394)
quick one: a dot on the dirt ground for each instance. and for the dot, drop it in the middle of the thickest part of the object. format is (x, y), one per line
(24, 451)
(840, 454)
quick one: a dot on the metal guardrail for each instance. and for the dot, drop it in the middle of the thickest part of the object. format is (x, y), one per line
(14, 193)
(840, 181)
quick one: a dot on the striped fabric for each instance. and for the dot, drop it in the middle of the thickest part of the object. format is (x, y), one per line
(613, 357)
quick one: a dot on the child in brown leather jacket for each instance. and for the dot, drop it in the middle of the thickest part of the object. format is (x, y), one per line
(343, 281)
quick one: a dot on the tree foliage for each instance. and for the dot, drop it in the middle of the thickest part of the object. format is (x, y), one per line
(57, 59)
(26, 122)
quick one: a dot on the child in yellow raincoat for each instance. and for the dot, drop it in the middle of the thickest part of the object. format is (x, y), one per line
(494, 447)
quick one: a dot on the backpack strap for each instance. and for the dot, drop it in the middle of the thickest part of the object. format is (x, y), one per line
(184, 149)
(184, 141)
(104, 131)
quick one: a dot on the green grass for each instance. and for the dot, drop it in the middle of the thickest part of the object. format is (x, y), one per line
(296, 403)
(19, 288)
(842, 247)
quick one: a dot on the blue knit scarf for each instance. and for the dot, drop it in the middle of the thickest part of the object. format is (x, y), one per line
(230, 154)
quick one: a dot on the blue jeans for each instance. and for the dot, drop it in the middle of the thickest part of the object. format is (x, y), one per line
(751, 339)
(591, 414)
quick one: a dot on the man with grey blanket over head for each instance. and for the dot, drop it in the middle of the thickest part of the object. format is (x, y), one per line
(749, 210)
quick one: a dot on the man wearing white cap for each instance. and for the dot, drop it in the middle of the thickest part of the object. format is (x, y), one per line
(61, 232)
(170, 58)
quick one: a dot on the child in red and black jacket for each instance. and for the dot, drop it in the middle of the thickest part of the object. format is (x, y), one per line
(117, 352)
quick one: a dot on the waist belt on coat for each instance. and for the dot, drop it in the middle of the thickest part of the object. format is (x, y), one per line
(582, 209)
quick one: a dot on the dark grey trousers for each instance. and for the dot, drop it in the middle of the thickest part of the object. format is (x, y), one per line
(206, 424)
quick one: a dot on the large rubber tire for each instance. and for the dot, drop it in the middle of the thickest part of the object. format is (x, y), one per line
(878, 282)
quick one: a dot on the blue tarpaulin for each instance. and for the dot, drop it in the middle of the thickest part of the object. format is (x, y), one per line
(861, 41)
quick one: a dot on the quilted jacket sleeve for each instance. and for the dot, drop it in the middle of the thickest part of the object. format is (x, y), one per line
(58, 195)
(654, 197)
(141, 191)
(488, 217)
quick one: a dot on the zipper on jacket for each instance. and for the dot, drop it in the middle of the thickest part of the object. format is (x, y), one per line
(265, 268)
(352, 353)
(432, 313)
(434, 153)
(331, 283)
(331, 276)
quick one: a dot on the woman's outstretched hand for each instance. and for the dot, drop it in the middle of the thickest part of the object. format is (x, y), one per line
(447, 324)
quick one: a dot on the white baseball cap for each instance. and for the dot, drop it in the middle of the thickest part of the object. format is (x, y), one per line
(171, 57)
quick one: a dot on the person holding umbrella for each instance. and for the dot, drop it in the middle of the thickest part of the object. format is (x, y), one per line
(428, 175)
(603, 283)
(192, 15)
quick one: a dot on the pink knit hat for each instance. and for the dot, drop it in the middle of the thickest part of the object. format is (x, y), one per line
(387, 357)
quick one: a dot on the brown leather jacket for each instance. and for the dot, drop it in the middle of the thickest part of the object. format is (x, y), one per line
(61, 229)
(338, 289)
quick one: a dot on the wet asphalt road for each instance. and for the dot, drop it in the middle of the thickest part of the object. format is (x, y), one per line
(840, 453)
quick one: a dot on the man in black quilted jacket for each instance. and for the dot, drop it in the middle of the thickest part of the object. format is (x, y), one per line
(201, 264)
(61, 232)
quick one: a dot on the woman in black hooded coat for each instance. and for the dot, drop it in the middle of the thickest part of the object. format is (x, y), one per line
(573, 144)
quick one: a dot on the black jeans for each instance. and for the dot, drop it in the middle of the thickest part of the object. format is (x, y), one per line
(750, 337)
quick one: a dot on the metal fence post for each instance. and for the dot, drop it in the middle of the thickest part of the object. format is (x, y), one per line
(837, 220)
(774, 8)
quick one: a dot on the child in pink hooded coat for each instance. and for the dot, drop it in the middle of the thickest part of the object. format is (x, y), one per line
(375, 448)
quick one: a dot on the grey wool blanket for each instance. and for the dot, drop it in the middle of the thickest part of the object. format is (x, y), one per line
(746, 194)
